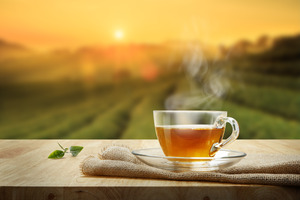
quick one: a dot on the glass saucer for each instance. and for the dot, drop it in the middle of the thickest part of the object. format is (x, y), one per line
(156, 158)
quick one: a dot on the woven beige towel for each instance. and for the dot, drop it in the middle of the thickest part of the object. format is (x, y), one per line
(265, 169)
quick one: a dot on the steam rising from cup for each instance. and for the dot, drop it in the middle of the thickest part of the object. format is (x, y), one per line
(206, 79)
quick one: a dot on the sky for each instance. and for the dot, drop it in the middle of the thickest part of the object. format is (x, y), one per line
(74, 23)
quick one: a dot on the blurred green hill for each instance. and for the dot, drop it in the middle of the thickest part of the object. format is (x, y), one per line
(110, 92)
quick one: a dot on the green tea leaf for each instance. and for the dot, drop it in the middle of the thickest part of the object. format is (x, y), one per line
(75, 150)
(56, 154)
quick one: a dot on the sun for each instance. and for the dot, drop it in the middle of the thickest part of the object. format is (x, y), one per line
(119, 34)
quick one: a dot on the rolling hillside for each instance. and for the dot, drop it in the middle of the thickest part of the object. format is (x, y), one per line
(262, 94)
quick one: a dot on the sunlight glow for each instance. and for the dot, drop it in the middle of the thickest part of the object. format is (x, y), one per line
(119, 34)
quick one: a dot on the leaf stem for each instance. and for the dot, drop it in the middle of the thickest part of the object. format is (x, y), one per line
(61, 146)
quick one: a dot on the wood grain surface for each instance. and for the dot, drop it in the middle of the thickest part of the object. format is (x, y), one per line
(27, 173)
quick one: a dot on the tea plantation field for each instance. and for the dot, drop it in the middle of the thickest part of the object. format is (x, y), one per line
(264, 108)
(262, 92)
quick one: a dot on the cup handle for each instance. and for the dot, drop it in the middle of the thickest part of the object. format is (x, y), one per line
(220, 122)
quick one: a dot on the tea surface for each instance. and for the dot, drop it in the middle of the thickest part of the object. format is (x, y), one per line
(188, 140)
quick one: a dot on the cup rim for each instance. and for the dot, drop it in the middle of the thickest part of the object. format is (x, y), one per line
(200, 111)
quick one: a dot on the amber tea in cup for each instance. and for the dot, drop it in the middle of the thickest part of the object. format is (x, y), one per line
(193, 133)
(188, 141)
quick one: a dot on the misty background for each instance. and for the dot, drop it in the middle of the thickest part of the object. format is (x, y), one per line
(107, 88)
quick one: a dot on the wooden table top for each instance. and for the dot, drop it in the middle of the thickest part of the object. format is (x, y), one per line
(26, 170)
